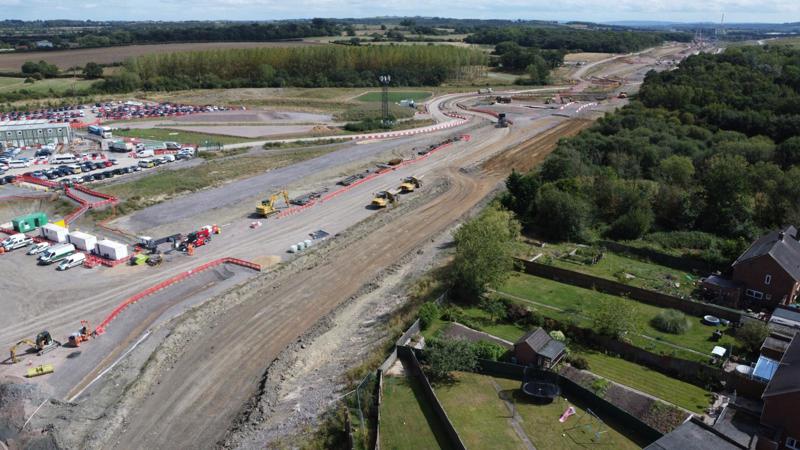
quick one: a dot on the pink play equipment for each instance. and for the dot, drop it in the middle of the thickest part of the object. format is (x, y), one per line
(568, 412)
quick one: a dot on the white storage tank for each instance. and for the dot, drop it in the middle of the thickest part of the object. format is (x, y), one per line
(83, 241)
(55, 233)
(111, 250)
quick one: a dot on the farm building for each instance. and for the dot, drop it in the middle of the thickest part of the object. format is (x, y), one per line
(20, 133)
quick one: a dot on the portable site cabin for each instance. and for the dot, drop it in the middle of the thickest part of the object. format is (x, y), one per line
(28, 222)
(55, 233)
(111, 250)
(83, 241)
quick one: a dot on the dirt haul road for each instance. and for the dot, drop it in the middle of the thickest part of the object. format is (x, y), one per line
(195, 401)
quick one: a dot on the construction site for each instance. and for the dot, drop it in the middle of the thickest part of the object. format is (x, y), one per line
(227, 314)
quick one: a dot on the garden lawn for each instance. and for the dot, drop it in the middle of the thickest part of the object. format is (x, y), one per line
(570, 303)
(677, 392)
(641, 378)
(483, 420)
(478, 414)
(647, 275)
(394, 96)
(407, 420)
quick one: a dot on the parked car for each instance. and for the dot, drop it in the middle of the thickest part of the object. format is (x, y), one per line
(15, 241)
(168, 158)
(35, 249)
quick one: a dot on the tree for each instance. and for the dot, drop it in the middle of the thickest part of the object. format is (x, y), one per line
(561, 216)
(729, 202)
(496, 308)
(609, 319)
(788, 152)
(92, 71)
(633, 224)
(443, 356)
(428, 313)
(484, 250)
(676, 170)
(752, 334)
(521, 196)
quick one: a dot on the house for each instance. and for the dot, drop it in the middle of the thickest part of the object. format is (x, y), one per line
(769, 270)
(538, 349)
(780, 415)
(695, 435)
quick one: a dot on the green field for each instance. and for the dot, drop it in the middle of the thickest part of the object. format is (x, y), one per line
(58, 85)
(641, 378)
(183, 137)
(482, 418)
(394, 96)
(407, 420)
(570, 303)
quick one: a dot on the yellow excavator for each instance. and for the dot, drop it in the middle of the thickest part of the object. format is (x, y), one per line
(410, 183)
(383, 198)
(41, 344)
(267, 207)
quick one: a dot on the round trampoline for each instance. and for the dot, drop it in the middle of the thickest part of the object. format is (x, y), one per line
(711, 320)
(542, 391)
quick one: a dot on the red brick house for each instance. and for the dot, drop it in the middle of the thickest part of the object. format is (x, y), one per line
(780, 416)
(769, 270)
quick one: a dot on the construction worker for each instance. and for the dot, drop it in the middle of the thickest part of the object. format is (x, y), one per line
(190, 249)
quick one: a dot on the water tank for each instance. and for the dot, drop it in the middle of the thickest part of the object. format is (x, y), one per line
(301, 246)
(293, 249)
(307, 243)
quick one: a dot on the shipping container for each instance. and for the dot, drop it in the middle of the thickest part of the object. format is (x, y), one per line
(83, 241)
(28, 222)
(55, 233)
(111, 250)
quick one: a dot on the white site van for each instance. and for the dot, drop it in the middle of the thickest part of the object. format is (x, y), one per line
(56, 253)
(75, 259)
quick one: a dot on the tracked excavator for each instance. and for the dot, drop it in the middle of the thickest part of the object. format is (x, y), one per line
(267, 207)
(41, 344)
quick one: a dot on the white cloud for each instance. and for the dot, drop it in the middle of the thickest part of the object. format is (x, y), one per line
(592, 10)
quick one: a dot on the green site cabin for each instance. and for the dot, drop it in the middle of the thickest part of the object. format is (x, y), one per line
(29, 222)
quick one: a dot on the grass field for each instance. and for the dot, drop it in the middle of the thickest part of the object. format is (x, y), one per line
(394, 96)
(648, 381)
(407, 420)
(482, 419)
(183, 137)
(567, 302)
(58, 85)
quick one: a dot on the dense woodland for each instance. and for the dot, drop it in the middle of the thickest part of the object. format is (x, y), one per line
(709, 157)
(565, 38)
(321, 66)
(100, 34)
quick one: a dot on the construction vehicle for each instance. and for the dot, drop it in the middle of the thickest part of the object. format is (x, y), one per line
(41, 344)
(267, 207)
(83, 335)
(383, 198)
(409, 184)
(622, 94)
(502, 122)
(502, 99)
(151, 245)
(198, 238)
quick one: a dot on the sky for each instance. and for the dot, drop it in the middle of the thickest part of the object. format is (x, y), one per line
(562, 10)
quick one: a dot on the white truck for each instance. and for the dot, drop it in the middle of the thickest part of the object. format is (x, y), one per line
(15, 241)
